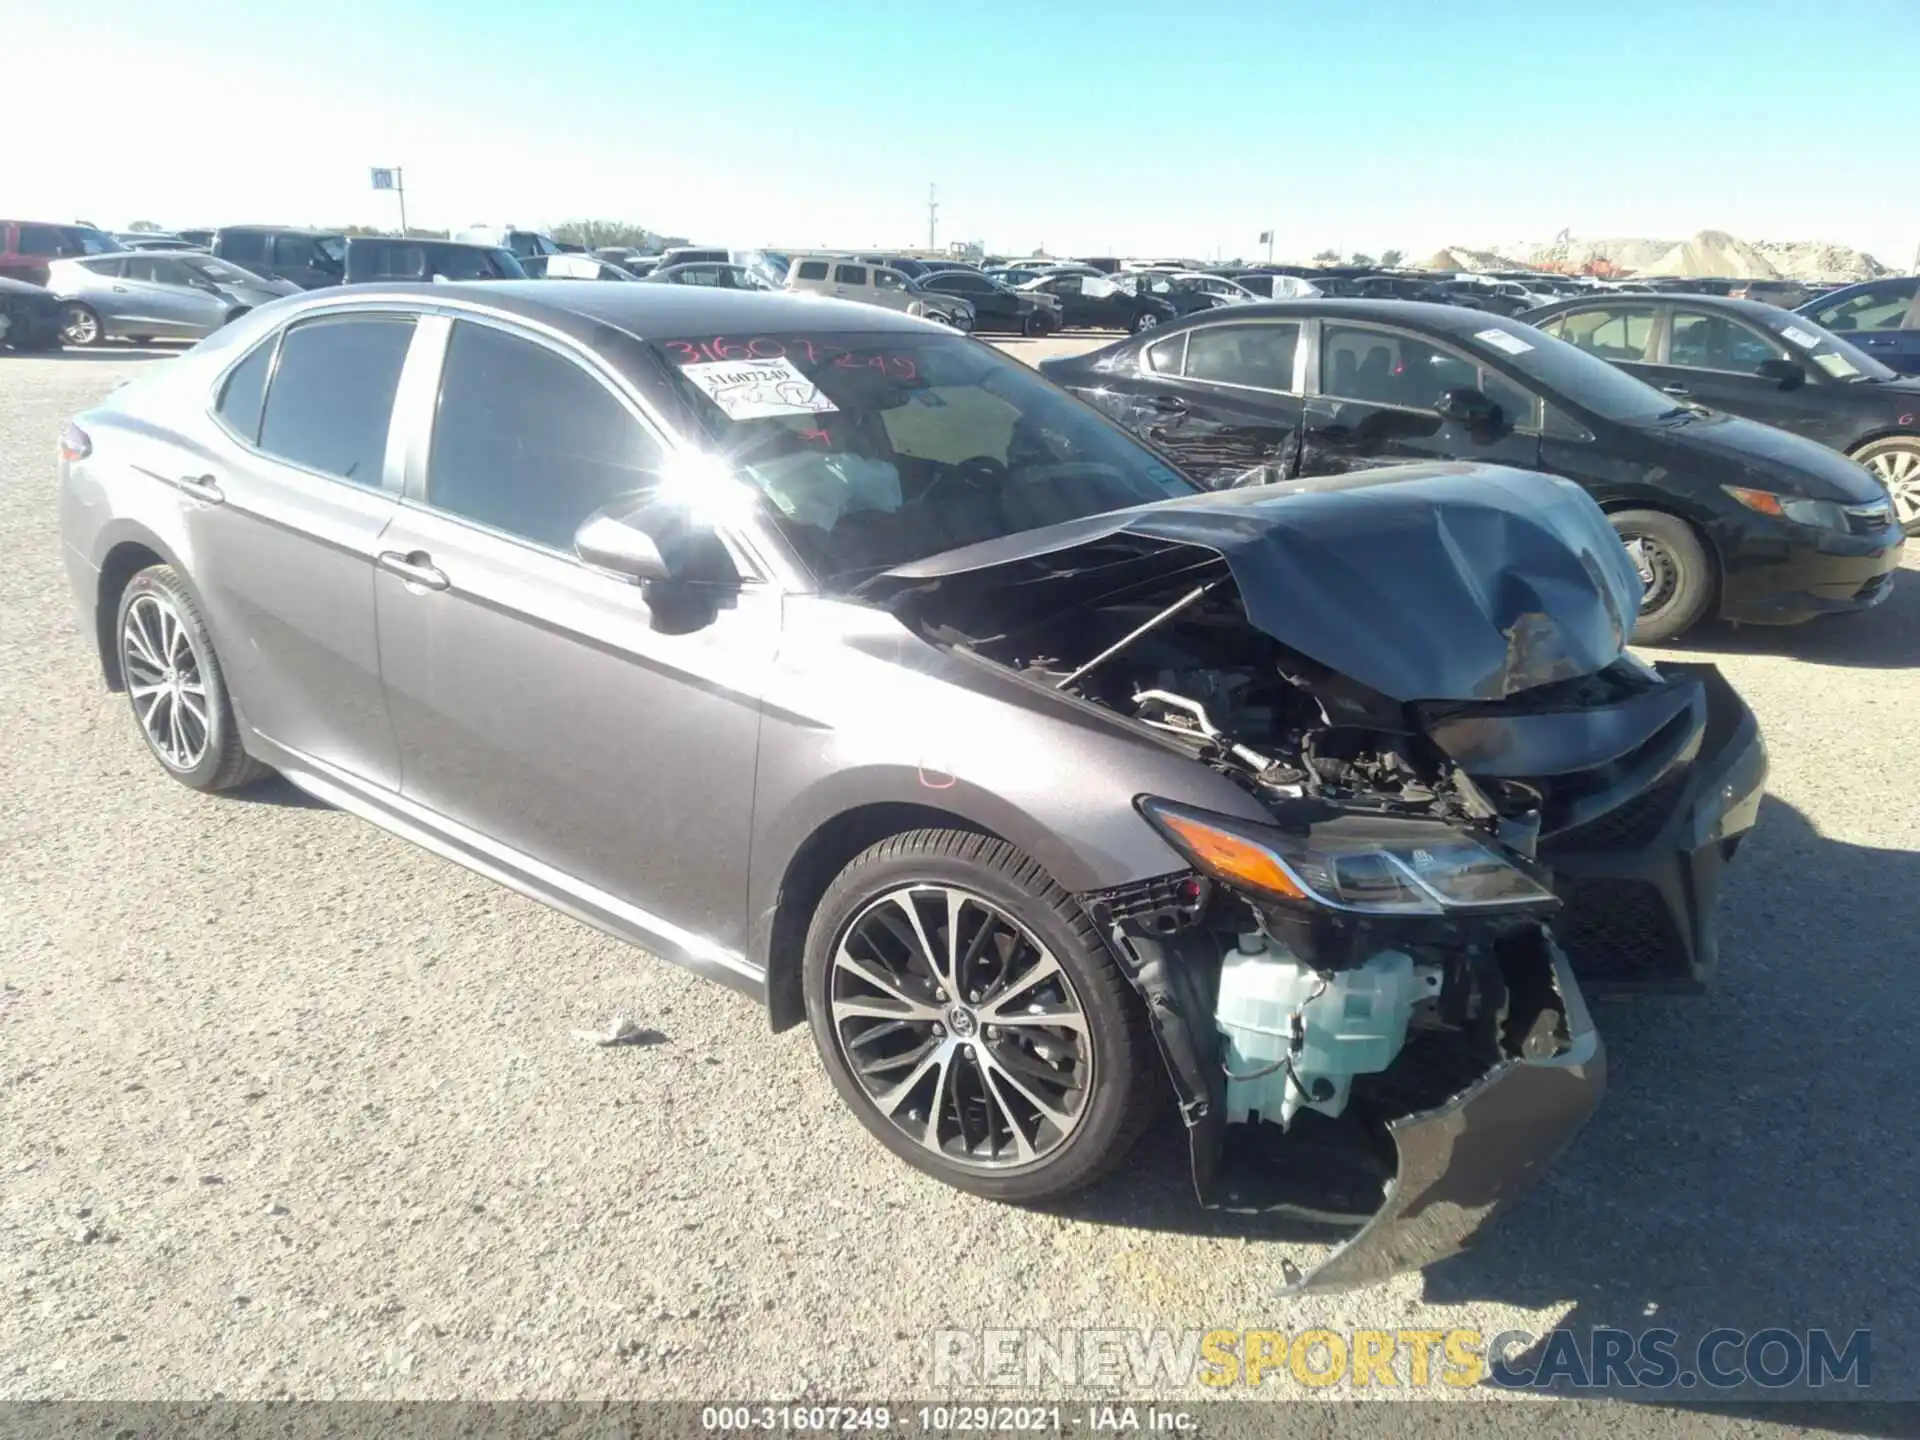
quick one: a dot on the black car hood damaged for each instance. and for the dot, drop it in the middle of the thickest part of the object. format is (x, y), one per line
(1420, 582)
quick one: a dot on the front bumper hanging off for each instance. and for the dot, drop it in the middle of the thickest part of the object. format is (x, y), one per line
(1453, 1164)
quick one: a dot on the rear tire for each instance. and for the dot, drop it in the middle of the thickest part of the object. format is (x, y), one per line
(1675, 568)
(977, 1033)
(1895, 463)
(1144, 321)
(176, 687)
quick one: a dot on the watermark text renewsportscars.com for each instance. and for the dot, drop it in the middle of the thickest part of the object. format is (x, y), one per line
(1135, 1361)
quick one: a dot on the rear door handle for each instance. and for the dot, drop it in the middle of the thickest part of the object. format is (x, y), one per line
(1169, 404)
(1675, 390)
(416, 569)
(201, 487)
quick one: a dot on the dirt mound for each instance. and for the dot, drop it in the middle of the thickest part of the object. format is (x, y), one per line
(1459, 257)
(1820, 260)
(1574, 255)
(1714, 252)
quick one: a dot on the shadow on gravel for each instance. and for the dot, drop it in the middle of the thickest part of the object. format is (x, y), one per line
(1884, 638)
(104, 352)
(277, 790)
(1752, 1166)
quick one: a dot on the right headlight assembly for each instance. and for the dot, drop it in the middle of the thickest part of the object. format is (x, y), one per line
(1403, 867)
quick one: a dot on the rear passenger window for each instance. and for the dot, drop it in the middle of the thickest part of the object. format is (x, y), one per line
(813, 270)
(528, 442)
(849, 275)
(244, 247)
(1612, 334)
(246, 388)
(1256, 355)
(332, 395)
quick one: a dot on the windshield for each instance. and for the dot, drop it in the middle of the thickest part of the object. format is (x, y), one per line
(1826, 350)
(873, 450)
(1566, 370)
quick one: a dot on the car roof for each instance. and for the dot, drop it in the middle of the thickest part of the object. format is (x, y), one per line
(283, 230)
(579, 308)
(1723, 304)
(1453, 319)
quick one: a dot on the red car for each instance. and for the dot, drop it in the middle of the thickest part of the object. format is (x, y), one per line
(26, 247)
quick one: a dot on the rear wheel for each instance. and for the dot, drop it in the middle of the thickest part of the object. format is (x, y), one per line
(1034, 325)
(1895, 463)
(968, 1012)
(174, 682)
(1145, 320)
(1674, 569)
(80, 325)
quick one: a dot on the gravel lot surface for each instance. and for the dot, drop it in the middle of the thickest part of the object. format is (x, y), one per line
(290, 1107)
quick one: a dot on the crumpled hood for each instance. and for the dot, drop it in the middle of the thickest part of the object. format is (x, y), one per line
(1420, 582)
(1771, 459)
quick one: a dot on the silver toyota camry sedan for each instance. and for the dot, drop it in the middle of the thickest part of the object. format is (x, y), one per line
(854, 665)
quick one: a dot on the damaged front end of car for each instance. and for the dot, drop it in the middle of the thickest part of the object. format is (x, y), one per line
(1366, 998)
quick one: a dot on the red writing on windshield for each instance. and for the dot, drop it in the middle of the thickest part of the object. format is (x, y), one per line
(796, 347)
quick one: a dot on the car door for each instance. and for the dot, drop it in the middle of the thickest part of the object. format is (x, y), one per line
(850, 282)
(890, 289)
(577, 719)
(169, 302)
(298, 258)
(1077, 308)
(284, 518)
(1376, 388)
(1222, 400)
(1883, 319)
(994, 306)
(1713, 359)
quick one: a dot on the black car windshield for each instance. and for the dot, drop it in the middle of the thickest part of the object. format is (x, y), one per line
(1834, 356)
(876, 449)
(1569, 373)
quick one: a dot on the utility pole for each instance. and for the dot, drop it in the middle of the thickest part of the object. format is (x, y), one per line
(933, 214)
(400, 186)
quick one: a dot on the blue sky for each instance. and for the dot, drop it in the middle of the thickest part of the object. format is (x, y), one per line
(1122, 127)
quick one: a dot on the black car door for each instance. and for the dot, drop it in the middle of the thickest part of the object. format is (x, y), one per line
(1077, 308)
(1712, 359)
(992, 306)
(1221, 399)
(1376, 395)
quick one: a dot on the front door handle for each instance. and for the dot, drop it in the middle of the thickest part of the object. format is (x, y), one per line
(1675, 390)
(416, 569)
(201, 487)
(1168, 404)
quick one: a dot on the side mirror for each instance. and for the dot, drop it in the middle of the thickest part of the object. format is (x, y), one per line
(1789, 374)
(649, 541)
(1467, 407)
(608, 543)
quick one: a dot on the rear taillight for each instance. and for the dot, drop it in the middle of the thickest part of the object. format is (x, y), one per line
(75, 443)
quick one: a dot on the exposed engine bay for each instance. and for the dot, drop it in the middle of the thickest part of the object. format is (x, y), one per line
(1365, 1005)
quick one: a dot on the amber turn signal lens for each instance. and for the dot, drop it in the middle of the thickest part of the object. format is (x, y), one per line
(1765, 502)
(1228, 857)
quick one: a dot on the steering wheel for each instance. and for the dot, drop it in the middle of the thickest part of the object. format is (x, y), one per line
(978, 473)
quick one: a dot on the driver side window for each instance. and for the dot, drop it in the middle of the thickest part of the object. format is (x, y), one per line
(528, 442)
(1714, 342)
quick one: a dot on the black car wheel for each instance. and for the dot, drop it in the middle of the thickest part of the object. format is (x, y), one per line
(1145, 320)
(969, 1013)
(80, 325)
(174, 682)
(1895, 463)
(1034, 325)
(1675, 569)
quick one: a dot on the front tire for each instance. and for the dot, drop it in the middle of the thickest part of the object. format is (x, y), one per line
(970, 1015)
(1144, 321)
(176, 687)
(1895, 463)
(80, 325)
(1674, 567)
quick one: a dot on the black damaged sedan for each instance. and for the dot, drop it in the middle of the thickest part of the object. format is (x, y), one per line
(1722, 516)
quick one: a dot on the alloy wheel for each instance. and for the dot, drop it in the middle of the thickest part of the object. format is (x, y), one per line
(1148, 321)
(79, 327)
(1899, 471)
(1659, 574)
(165, 679)
(960, 1026)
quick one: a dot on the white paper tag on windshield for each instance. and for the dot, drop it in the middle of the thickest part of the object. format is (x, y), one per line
(1838, 366)
(1801, 337)
(1501, 340)
(755, 389)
